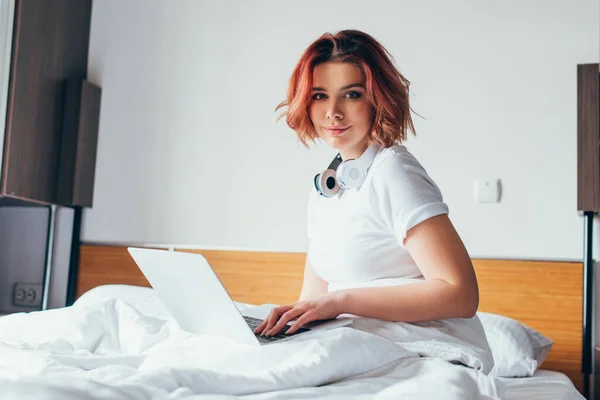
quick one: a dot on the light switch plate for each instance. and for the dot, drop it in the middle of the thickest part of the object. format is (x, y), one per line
(487, 190)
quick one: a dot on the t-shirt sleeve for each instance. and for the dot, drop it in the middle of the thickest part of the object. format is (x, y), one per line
(407, 195)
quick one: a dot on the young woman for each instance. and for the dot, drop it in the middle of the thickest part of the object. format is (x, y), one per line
(381, 244)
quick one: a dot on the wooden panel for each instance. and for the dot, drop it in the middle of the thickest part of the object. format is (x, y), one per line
(544, 295)
(50, 45)
(106, 265)
(250, 277)
(588, 138)
(258, 277)
(79, 141)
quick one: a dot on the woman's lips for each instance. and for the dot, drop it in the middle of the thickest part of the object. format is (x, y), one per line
(337, 131)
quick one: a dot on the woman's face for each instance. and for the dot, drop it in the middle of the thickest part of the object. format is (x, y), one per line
(339, 110)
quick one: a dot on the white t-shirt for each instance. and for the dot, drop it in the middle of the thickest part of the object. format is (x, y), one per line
(357, 237)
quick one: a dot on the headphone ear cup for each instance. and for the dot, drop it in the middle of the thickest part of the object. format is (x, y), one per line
(326, 183)
(350, 174)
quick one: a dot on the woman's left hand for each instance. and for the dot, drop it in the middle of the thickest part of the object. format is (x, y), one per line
(305, 311)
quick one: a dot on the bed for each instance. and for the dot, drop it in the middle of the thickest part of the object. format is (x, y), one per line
(545, 296)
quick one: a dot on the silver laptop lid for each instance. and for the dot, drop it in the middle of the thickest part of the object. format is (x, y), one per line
(192, 293)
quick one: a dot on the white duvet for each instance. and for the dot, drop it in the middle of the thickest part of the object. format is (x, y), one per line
(109, 350)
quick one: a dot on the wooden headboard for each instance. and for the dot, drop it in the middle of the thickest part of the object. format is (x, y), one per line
(545, 295)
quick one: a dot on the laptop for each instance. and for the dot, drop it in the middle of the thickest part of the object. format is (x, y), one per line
(195, 297)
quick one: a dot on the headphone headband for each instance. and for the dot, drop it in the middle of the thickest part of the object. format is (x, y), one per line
(335, 163)
(367, 157)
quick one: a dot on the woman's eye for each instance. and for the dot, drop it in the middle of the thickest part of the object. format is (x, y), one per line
(353, 95)
(318, 96)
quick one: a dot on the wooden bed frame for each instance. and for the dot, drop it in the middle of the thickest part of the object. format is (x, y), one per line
(545, 295)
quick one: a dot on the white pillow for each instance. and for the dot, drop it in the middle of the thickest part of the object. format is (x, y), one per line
(518, 350)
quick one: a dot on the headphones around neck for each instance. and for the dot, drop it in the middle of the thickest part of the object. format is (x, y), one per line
(348, 174)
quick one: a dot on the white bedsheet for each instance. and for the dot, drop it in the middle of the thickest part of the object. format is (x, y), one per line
(541, 386)
(107, 348)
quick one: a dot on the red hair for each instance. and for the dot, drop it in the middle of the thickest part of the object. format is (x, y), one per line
(385, 87)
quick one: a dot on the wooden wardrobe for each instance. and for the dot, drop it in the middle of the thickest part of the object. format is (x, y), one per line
(49, 117)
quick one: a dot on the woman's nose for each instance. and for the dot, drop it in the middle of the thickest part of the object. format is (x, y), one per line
(334, 112)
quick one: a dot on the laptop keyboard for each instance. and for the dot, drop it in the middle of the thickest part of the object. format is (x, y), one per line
(253, 323)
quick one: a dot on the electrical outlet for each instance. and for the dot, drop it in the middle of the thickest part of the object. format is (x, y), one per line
(27, 294)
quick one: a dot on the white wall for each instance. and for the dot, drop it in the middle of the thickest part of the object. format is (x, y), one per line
(189, 151)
